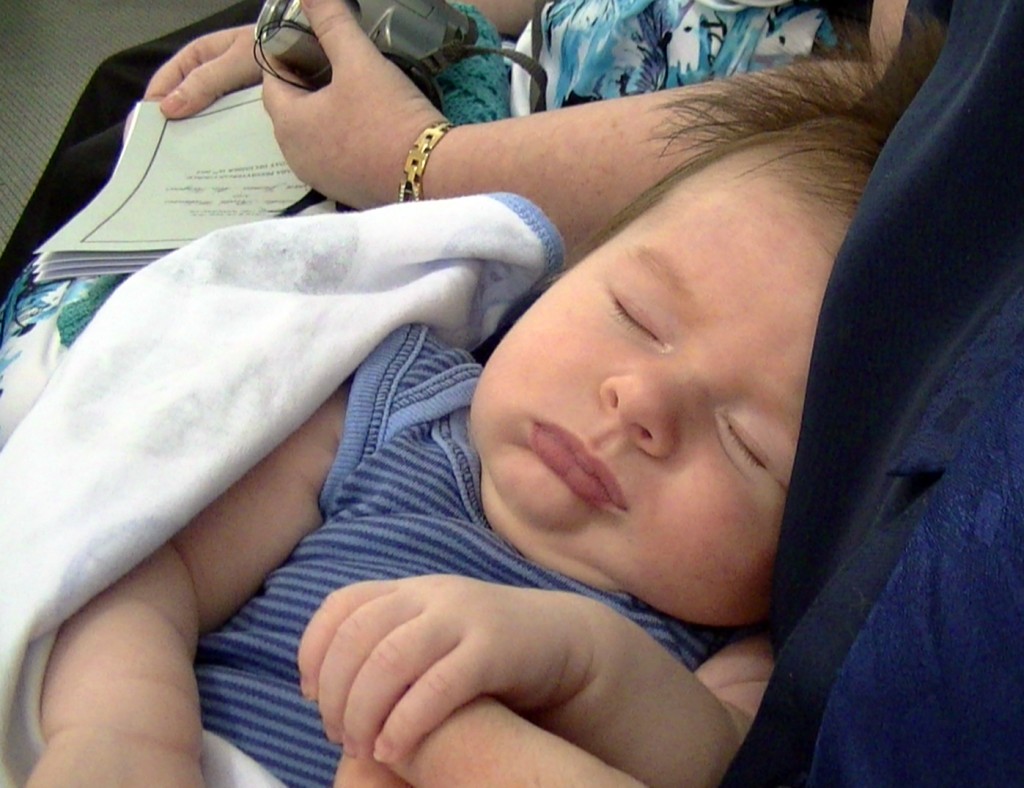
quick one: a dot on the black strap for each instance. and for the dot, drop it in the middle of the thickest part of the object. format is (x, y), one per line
(539, 88)
(457, 50)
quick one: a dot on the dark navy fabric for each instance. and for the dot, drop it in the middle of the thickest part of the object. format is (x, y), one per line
(899, 389)
(930, 692)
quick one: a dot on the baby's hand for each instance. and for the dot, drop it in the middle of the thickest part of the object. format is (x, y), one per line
(389, 661)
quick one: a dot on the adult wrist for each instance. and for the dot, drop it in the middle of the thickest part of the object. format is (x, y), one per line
(411, 188)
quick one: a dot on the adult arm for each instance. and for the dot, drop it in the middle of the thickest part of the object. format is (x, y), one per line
(349, 140)
(887, 24)
(120, 704)
(509, 17)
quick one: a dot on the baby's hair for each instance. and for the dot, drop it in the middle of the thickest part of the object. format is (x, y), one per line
(821, 122)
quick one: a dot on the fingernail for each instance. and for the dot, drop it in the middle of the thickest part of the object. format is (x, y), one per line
(174, 102)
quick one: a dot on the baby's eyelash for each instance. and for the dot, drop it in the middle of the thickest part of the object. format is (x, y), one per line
(623, 315)
(744, 449)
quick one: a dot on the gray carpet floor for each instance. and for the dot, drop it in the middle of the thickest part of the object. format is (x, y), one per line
(49, 50)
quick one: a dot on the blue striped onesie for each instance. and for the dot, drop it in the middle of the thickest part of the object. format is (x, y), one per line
(401, 499)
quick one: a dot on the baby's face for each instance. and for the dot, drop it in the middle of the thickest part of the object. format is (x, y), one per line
(637, 426)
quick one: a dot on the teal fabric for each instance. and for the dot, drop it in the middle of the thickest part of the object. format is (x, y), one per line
(75, 315)
(476, 89)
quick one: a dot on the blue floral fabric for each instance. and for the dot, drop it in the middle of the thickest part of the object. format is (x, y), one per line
(38, 322)
(599, 49)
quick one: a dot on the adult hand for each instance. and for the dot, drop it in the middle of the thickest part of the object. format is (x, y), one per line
(349, 139)
(205, 70)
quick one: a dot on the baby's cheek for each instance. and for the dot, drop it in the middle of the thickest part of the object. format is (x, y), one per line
(738, 564)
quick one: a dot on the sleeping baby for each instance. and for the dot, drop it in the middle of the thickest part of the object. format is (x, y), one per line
(573, 541)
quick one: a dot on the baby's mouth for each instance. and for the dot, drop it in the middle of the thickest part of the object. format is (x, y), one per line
(584, 474)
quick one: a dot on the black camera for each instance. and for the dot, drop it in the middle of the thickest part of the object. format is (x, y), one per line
(415, 34)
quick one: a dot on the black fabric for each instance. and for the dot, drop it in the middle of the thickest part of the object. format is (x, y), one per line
(851, 10)
(89, 145)
(936, 247)
(926, 695)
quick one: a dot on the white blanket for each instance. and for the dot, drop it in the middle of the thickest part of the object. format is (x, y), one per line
(197, 367)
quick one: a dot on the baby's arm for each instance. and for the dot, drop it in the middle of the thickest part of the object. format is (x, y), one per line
(388, 662)
(120, 704)
(485, 743)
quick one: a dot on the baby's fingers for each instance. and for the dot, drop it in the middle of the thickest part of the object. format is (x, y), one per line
(323, 627)
(356, 667)
(412, 681)
(359, 642)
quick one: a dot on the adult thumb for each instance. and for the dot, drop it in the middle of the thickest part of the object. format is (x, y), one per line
(333, 23)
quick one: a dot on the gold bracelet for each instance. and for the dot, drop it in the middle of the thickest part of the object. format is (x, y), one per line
(416, 161)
